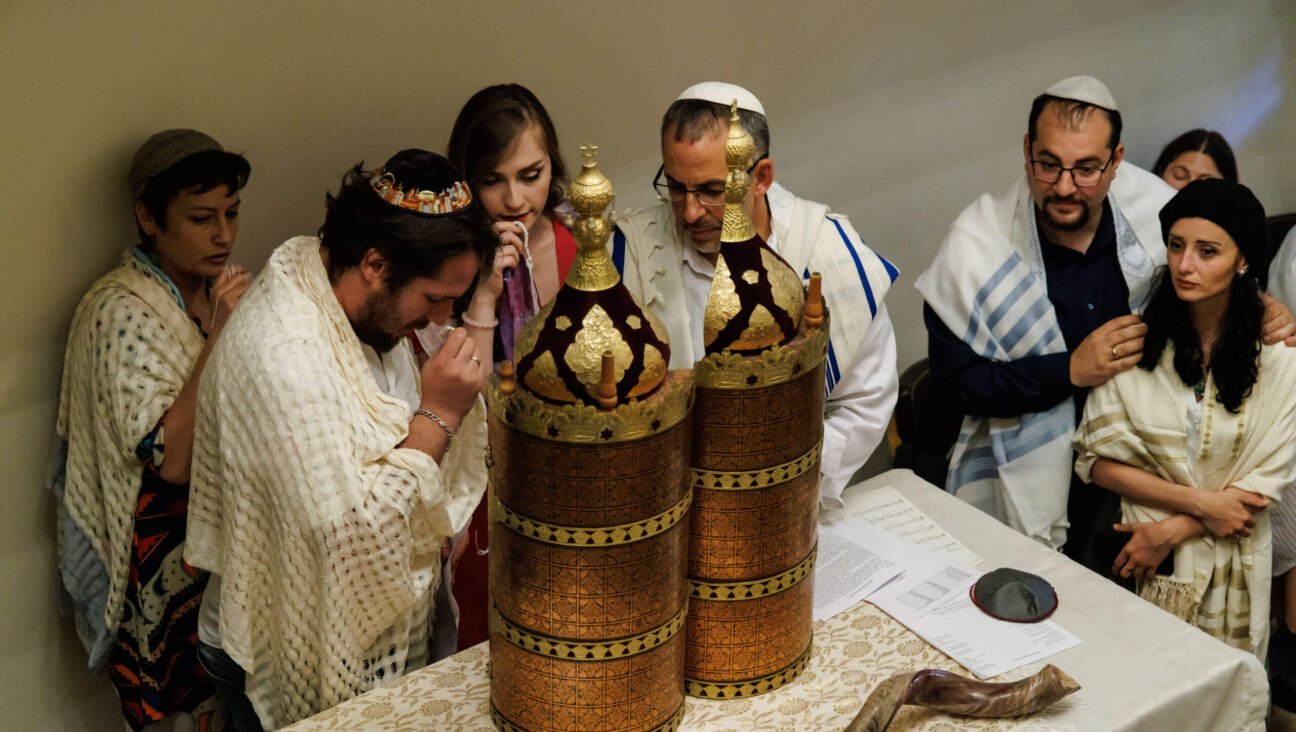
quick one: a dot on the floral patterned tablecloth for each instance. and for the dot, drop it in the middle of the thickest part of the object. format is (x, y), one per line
(1140, 669)
(853, 651)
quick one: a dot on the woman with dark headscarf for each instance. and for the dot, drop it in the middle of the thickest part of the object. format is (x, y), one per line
(137, 347)
(1201, 438)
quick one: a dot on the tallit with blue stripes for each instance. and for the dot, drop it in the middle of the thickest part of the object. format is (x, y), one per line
(987, 284)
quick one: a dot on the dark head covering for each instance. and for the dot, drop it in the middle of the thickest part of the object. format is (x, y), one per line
(1011, 594)
(1233, 208)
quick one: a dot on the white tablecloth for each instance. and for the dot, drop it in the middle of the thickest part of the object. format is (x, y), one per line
(1140, 669)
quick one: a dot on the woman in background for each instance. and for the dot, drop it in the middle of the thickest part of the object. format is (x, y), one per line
(1194, 155)
(1201, 438)
(506, 146)
(138, 343)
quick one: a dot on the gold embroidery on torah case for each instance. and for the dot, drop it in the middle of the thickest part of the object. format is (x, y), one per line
(590, 496)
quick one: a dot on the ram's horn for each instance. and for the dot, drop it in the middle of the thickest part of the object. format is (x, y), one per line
(954, 694)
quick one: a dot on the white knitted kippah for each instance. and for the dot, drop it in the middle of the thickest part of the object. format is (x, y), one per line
(721, 92)
(1085, 89)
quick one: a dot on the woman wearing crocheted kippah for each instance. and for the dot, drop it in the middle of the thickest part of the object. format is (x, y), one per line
(137, 346)
(506, 146)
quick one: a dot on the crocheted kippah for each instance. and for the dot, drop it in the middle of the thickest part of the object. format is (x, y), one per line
(163, 150)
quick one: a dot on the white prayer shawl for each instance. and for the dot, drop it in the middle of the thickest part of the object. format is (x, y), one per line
(1282, 271)
(806, 234)
(326, 534)
(1140, 418)
(1282, 285)
(130, 351)
(987, 284)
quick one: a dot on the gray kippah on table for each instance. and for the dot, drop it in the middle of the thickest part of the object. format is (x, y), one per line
(1014, 595)
(163, 150)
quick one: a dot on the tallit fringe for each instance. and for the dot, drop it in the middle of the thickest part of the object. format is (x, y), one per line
(1177, 598)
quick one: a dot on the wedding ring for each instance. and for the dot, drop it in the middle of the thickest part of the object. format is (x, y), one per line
(1114, 356)
(478, 360)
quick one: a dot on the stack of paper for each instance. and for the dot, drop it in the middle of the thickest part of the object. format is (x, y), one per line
(903, 562)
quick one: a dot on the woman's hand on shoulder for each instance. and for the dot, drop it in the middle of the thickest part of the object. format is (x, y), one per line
(1229, 513)
(226, 291)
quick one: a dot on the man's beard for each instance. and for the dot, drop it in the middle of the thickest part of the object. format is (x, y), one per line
(1075, 225)
(710, 247)
(378, 325)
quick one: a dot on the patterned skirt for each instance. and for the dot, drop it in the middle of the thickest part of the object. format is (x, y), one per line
(154, 662)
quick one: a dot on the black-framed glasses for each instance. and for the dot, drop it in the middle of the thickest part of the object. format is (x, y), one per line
(677, 192)
(1083, 176)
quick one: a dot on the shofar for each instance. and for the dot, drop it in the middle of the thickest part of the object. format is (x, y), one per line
(954, 694)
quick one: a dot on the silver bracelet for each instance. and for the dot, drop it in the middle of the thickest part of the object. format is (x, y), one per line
(440, 423)
(477, 323)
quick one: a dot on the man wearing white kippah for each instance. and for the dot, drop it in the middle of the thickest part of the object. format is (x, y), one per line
(667, 254)
(1031, 301)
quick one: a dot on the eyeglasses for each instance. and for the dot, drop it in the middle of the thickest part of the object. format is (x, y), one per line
(1084, 176)
(677, 192)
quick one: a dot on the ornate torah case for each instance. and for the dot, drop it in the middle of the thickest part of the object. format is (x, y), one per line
(758, 433)
(589, 506)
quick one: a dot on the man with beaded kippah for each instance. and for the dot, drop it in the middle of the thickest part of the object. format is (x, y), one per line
(667, 254)
(320, 500)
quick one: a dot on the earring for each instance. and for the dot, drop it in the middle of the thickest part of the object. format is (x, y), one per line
(1242, 271)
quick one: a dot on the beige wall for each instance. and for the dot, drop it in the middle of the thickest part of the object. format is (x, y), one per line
(898, 114)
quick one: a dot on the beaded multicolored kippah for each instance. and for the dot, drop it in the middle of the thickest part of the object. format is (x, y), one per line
(428, 203)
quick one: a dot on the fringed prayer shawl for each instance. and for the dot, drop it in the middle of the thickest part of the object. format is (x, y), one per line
(806, 234)
(988, 285)
(130, 351)
(326, 535)
(1140, 418)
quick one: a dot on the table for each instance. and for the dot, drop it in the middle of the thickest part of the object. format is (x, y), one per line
(1139, 667)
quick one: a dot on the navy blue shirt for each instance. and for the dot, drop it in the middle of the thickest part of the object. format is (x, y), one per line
(1086, 290)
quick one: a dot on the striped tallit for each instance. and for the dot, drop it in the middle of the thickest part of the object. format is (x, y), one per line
(1140, 418)
(987, 284)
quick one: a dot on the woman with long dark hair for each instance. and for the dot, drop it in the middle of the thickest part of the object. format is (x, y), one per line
(506, 145)
(1201, 438)
(1196, 155)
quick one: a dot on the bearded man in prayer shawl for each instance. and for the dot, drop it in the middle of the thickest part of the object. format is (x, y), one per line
(1201, 438)
(320, 501)
(666, 255)
(1029, 303)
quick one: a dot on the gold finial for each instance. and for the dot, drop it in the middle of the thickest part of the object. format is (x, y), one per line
(739, 147)
(591, 194)
(560, 354)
